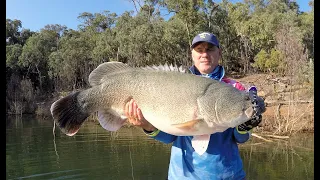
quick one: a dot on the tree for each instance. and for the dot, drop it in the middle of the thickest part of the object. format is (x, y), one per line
(12, 31)
(35, 55)
(12, 55)
(24, 35)
(188, 12)
(57, 28)
(71, 63)
(290, 43)
(307, 27)
(97, 22)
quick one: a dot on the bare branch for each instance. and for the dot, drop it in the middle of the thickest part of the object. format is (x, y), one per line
(135, 5)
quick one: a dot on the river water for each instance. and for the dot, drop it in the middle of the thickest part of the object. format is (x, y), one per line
(33, 152)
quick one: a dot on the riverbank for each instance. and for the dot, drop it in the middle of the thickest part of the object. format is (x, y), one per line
(289, 106)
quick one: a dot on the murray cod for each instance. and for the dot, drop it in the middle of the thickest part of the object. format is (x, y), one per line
(174, 102)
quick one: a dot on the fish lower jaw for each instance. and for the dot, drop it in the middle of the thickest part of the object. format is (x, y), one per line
(249, 112)
(244, 117)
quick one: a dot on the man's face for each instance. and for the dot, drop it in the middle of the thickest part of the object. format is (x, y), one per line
(205, 57)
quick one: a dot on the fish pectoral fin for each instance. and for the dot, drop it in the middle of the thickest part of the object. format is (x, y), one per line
(200, 143)
(110, 120)
(187, 125)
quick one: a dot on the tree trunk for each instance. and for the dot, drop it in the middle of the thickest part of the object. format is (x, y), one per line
(40, 81)
(188, 34)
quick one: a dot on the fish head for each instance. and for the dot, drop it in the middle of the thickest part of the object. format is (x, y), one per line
(234, 110)
(226, 107)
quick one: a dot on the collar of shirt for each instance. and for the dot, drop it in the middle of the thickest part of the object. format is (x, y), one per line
(217, 74)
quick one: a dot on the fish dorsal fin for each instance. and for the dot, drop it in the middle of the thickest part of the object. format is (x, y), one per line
(108, 68)
(97, 76)
(166, 67)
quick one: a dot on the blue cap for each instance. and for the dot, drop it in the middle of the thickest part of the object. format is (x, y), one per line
(205, 37)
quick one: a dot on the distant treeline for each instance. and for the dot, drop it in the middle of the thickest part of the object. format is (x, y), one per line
(255, 36)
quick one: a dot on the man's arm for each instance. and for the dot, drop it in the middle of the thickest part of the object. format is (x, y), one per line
(136, 118)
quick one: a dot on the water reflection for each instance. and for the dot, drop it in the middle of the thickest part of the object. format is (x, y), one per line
(280, 159)
(93, 153)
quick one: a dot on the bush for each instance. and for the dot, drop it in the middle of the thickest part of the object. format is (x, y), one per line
(274, 61)
(260, 60)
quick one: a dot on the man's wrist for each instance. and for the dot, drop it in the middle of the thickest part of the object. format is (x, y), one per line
(152, 133)
(149, 129)
(243, 131)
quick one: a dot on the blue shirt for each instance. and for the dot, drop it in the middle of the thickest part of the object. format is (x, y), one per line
(220, 161)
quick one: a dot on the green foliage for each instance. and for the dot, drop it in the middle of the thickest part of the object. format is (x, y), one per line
(24, 35)
(106, 47)
(260, 60)
(97, 22)
(272, 62)
(35, 54)
(307, 27)
(189, 12)
(13, 53)
(175, 39)
(70, 63)
(12, 31)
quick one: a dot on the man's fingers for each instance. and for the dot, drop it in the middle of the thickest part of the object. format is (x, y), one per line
(128, 112)
(126, 109)
(134, 109)
(139, 114)
(133, 113)
(130, 108)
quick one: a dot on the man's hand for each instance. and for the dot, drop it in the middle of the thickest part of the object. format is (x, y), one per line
(247, 126)
(135, 116)
(259, 108)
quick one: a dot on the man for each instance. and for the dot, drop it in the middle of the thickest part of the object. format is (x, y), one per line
(221, 159)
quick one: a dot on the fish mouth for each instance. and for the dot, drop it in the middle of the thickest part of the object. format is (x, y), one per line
(249, 112)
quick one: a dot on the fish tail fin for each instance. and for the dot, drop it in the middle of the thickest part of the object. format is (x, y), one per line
(68, 114)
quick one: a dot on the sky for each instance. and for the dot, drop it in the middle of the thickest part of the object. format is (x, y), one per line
(35, 14)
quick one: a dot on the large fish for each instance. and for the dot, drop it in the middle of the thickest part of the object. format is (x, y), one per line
(177, 103)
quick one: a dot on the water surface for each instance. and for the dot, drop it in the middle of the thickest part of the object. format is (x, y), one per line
(32, 152)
